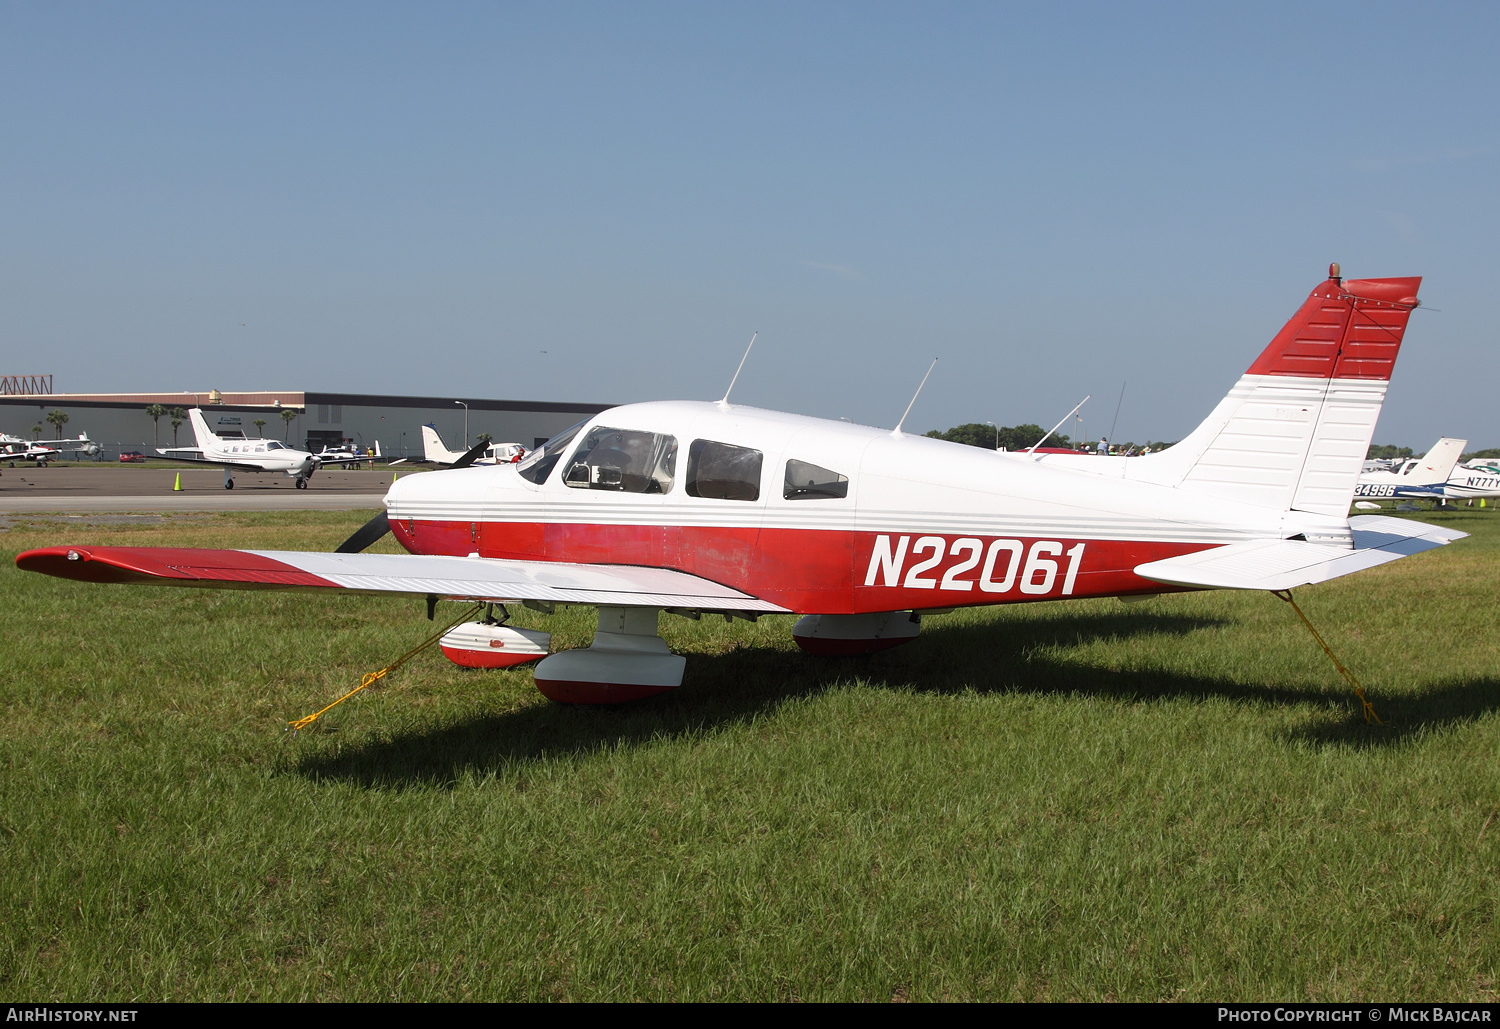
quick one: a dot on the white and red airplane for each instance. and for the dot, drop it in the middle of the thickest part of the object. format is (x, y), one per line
(41, 451)
(693, 507)
(435, 451)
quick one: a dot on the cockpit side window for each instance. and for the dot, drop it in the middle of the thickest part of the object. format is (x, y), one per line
(540, 462)
(722, 471)
(807, 481)
(623, 460)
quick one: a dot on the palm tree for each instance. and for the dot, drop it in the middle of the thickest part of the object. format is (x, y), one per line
(36, 432)
(287, 414)
(178, 415)
(154, 412)
(58, 420)
(260, 427)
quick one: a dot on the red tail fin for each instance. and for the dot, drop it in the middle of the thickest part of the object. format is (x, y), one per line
(1345, 330)
(1295, 445)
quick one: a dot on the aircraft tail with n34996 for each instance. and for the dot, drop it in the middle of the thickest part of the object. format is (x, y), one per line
(708, 507)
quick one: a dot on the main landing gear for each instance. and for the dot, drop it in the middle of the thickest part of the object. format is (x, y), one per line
(301, 482)
(847, 635)
(228, 480)
(629, 661)
(626, 661)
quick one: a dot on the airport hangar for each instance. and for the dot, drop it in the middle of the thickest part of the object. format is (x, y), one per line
(118, 421)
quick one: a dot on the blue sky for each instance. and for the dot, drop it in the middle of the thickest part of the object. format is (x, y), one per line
(602, 202)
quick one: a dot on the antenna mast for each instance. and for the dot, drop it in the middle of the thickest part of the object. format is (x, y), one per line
(1054, 428)
(897, 430)
(725, 401)
(1117, 410)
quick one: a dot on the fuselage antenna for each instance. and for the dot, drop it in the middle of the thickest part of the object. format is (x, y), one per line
(897, 430)
(725, 401)
(1059, 424)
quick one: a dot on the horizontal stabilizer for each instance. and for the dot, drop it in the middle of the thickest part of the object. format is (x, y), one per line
(459, 578)
(1286, 564)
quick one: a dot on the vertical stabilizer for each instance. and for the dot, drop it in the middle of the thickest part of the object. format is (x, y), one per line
(1436, 466)
(433, 449)
(205, 436)
(1293, 432)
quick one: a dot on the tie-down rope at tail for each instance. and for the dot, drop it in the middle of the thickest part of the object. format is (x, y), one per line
(371, 678)
(1371, 718)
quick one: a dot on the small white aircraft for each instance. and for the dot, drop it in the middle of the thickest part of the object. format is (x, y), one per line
(1416, 478)
(347, 452)
(675, 506)
(249, 455)
(435, 451)
(14, 448)
(1424, 478)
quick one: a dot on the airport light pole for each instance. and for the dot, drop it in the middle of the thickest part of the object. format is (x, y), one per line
(466, 423)
(997, 433)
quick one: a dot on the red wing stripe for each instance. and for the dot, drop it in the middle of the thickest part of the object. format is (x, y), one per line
(480, 579)
(155, 564)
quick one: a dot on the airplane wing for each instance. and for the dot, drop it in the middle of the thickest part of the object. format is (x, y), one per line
(458, 578)
(1286, 564)
(194, 455)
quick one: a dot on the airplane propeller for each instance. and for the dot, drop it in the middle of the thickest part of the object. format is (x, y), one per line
(366, 535)
(372, 531)
(473, 454)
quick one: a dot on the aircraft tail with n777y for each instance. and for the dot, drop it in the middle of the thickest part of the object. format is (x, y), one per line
(692, 507)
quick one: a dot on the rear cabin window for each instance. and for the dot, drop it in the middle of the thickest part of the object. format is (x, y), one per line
(540, 462)
(722, 471)
(623, 460)
(806, 481)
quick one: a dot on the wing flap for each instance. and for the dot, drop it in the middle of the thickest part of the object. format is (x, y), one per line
(469, 578)
(1286, 564)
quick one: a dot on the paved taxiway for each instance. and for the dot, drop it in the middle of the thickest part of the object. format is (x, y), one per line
(26, 489)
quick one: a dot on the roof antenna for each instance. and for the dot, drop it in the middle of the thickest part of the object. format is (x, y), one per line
(1054, 428)
(897, 430)
(725, 401)
(1117, 410)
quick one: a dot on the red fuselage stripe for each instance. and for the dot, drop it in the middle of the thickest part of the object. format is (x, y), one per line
(824, 571)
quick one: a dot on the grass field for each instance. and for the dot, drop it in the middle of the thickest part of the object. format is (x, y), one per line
(1175, 799)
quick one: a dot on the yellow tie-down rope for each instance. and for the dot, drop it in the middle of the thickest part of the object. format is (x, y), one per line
(1371, 718)
(371, 678)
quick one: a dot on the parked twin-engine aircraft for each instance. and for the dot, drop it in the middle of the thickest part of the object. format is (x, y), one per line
(237, 453)
(437, 452)
(711, 507)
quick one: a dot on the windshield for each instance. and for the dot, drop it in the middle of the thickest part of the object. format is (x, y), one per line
(274, 445)
(538, 464)
(623, 460)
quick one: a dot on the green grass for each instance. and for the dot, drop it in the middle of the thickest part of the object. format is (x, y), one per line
(1176, 799)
